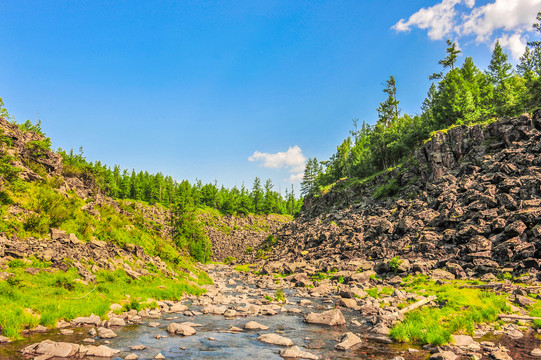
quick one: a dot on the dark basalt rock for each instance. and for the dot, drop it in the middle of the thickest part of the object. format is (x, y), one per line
(476, 206)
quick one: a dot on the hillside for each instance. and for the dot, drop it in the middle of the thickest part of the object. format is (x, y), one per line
(61, 238)
(470, 203)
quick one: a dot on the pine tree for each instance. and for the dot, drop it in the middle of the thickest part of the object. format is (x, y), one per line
(269, 199)
(388, 110)
(500, 72)
(257, 196)
(452, 54)
(4, 112)
(527, 67)
(311, 173)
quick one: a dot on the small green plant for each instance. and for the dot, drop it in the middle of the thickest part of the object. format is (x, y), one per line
(280, 295)
(373, 292)
(395, 263)
(505, 276)
(242, 268)
(267, 297)
(389, 189)
(249, 249)
(261, 254)
(228, 260)
(133, 305)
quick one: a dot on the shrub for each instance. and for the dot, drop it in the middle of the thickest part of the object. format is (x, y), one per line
(395, 263)
(386, 190)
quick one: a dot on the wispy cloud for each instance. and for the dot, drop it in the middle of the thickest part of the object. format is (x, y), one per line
(506, 20)
(293, 160)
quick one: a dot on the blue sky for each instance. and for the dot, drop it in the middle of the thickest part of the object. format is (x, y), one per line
(231, 90)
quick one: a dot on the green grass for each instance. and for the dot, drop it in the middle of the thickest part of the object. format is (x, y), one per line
(379, 292)
(280, 295)
(51, 209)
(242, 268)
(57, 296)
(535, 310)
(458, 312)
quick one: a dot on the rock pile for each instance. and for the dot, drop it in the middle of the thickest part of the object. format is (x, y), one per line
(470, 203)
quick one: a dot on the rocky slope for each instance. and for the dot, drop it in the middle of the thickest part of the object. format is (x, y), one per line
(47, 184)
(231, 236)
(237, 236)
(470, 203)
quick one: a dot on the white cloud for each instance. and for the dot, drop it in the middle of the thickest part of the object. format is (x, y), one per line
(515, 43)
(293, 160)
(508, 20)
(295, 178)
(509, 15)
(438, 19)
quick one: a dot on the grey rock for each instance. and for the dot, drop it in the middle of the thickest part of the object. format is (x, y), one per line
(330, 317)
(295, 352)
(275, 339)
(347, 341)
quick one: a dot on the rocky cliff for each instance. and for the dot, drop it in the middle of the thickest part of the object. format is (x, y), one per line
(470, 202)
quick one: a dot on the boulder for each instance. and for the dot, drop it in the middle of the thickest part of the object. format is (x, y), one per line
(349, 303)
(105, 333)
(4, 339)
(87, 320)
(178, 308)
(347, 341)
(330, 317)
(181, 329)
(444, 355)
(117, 321)
(440, 274)
(295, 352)
(99, 351)
(463, 340)
(275, 339)
(57, 349)
(252, 325)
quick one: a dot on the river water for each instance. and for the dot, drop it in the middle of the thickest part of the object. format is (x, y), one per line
(213, 341)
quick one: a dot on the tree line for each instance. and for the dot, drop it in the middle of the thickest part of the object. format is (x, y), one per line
(158, 188)
(458, 95)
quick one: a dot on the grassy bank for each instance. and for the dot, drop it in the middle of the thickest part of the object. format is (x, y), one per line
(44, 298)
(459, 309)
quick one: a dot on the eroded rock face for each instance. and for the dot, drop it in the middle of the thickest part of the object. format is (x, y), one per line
(471, 204)
(241, 233)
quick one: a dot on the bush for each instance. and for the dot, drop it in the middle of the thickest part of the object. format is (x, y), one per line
(395, 263)
(390, 189)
